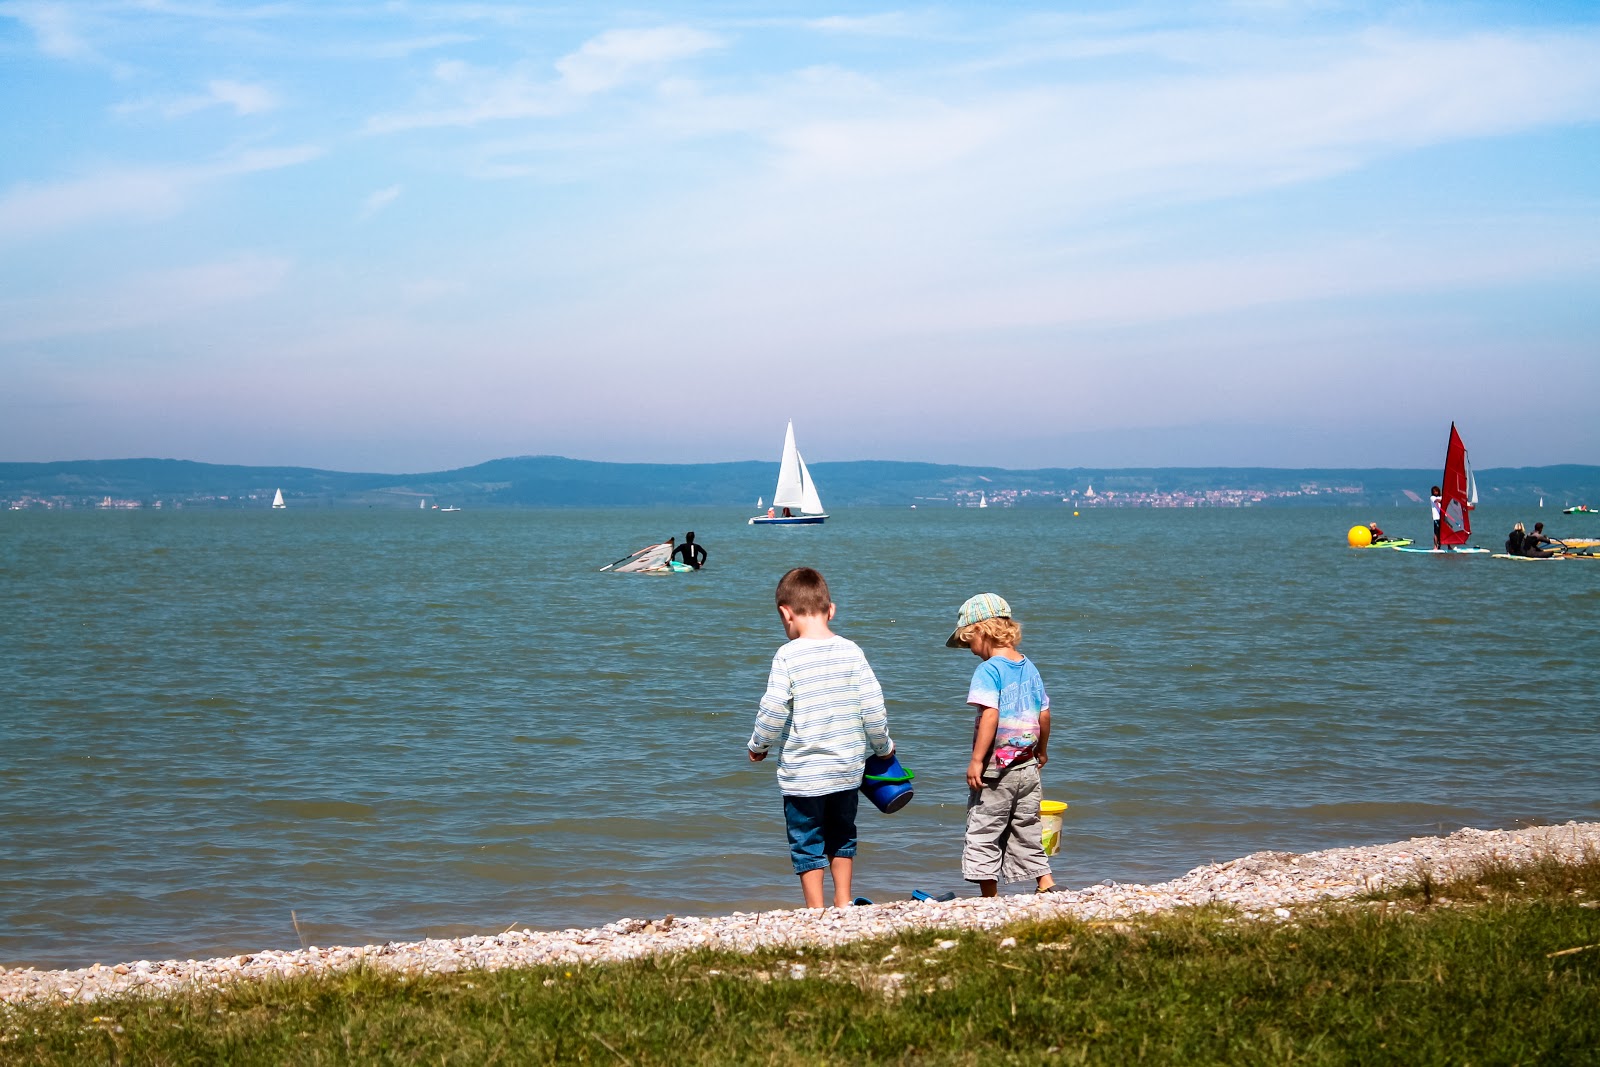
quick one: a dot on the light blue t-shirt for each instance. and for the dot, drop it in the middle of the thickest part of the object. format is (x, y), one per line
(1017, 692)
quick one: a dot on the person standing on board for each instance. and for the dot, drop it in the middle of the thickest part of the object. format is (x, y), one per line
(1004, 839)
(1435, 501)
(694, 555)
(824, 703)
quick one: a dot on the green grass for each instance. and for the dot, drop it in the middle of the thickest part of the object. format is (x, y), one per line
(1481, 971)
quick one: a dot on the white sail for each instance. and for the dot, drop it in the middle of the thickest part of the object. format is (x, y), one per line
(649, 558)
(277, 500)
(759, 504)
(796, 494)
(1472, 482)
(810, 502)
(788, 493)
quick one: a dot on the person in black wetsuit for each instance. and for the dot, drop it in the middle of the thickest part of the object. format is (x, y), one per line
(693, 554)
(1514, 540)
(1534, 541)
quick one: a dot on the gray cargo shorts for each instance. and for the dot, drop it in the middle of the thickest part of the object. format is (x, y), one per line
(1003, 829)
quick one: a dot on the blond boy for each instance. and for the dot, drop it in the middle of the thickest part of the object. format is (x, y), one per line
(1009, 737)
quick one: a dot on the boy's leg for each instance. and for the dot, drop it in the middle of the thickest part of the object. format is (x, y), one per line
(802, 820)
(1023, 855)
(842, 867)
(988, 819)
(839, 841)
(811, 888)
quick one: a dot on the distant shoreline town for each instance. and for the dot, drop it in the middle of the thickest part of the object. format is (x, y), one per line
(554, 481)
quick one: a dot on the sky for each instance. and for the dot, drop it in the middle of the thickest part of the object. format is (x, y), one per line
(416, 235)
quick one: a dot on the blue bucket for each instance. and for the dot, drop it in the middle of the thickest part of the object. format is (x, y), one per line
(887, 784)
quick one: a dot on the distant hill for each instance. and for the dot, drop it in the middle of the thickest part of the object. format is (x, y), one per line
(554, 481)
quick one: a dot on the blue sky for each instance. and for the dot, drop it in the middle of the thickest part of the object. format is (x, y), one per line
(409, 236)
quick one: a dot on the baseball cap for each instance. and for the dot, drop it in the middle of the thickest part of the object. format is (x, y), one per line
(976, 609)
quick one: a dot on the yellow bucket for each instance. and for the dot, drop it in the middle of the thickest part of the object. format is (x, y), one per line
(1050, 819)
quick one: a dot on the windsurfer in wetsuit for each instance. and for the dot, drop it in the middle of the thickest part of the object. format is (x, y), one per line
(1535, 540)
(1514, 540)
(692, 554)
(1435, 501)
(1377, 534)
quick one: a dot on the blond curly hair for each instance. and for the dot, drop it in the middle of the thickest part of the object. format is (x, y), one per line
(1006, 633)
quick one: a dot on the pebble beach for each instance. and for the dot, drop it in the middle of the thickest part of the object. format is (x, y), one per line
(1264, 886)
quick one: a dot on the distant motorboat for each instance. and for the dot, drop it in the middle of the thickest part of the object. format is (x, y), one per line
(452, 507)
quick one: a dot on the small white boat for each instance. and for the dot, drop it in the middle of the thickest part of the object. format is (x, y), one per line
(277, 500)
(983, 501)
(795, 491)
(452, 507)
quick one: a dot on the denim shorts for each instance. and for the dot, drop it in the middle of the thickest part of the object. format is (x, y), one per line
(820, 828)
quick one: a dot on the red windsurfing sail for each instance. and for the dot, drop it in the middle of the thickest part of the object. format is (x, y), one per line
(1458, 494)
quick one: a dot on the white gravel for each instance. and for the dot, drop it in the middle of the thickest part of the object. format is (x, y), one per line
(1264, 885)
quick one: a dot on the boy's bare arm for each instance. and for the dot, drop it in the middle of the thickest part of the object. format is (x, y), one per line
(1039, 753)
(988, 722)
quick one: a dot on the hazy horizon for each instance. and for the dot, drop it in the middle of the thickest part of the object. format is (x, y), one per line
(379, 237)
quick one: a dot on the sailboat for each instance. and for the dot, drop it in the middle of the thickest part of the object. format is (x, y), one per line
(796, 491)
(983, 500)
(277, 500)
(759, 504)
(1458, 495)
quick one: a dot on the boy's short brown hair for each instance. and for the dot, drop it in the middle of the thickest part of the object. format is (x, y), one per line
(804, 591)
(998, 629)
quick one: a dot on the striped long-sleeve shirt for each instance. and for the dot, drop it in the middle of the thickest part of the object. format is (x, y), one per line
(824, 703)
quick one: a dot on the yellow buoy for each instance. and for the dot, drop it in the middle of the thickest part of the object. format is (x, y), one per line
(1074, 514)
(1359, 537)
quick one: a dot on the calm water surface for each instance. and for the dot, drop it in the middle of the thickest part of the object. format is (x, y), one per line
(402, 724)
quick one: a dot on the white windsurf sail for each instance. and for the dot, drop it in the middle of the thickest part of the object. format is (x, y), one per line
(649, 558)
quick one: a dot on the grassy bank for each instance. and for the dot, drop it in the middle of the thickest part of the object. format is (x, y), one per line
(1501, 968)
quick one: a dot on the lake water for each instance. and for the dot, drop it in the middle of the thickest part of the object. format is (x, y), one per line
(403, 724)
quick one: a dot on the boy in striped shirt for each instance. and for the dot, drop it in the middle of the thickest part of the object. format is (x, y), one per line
(824, 703)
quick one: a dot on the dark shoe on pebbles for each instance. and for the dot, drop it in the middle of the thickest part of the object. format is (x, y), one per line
(859, 901)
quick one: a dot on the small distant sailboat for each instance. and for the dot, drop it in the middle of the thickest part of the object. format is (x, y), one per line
(795, 490)
(983, 500)
(422, 504)
(277, 500)
(759, 504)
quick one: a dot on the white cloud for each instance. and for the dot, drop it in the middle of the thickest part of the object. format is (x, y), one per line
(55, 27)
(245, 99)
(462, 94)
(130, 195)
(618, 57)
(242, 97)
(377, 201)
(887, 24)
